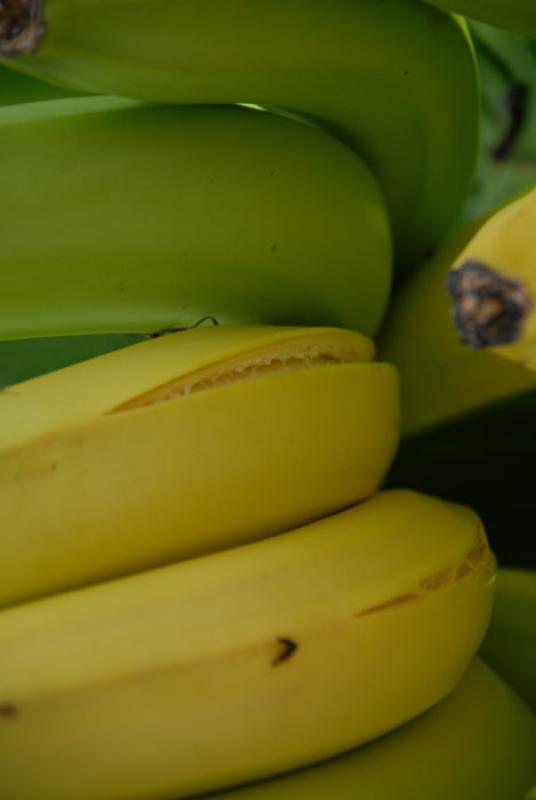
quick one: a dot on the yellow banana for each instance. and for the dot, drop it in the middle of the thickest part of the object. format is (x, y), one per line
(186, 444)
(396, 80)
(479, 742)
(510, 643)
(441, 378)
(124, 216)
(243, 663)
(493, 284)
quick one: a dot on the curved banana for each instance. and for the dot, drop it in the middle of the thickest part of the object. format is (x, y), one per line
(396, 80)
(493, 284)
(15, 87)
(184, 445)
(441, 378)
(478, 742)
(243, 663)
(515, 15)
(122, 216)
(510, 643)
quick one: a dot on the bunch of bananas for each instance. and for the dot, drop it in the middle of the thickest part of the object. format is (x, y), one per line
(205, 578)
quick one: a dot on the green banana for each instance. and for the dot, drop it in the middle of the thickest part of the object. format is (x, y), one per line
(443, 379)
(183, 445)
(510, 643)
(121, 216)
(396, 80)
(515, 15)
(243, 663)
(15, 87)
(479, 742)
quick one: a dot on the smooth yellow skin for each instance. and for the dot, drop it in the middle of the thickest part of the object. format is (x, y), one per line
(479, 742)
(99, 478)
(441, 378)
(507, 244)
(175, 682)
(510, 643)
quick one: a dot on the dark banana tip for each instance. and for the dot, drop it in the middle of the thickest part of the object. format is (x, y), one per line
(21, 26)
(489, 309)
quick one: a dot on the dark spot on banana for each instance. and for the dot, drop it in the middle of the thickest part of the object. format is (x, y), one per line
(8, 710)
(273, 248)
(287, 647)
(400, 600)
(21, 26)
(489, 309)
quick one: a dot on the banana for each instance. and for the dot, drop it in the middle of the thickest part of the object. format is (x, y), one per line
(186, 444)
(122, 216)
(15, 87)
(243, 663)
(441, 378)
(515, 15)
(479, 742)
(396, 80)
(510, 643)
(493, 284)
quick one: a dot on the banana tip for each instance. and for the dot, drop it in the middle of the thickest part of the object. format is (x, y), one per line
(489, 308)
(21, 26)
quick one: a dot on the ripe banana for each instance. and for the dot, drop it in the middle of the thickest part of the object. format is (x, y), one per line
(243, 663)
(479, 742)
(183, 445)
(515, 15)
(493, 284)
(396, 80)
(122, 216)
(510, 643)
(441, 378)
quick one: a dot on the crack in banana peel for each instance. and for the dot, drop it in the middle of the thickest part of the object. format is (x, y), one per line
(480, 557)
(286, 357)
(489, 308)
(22, 26)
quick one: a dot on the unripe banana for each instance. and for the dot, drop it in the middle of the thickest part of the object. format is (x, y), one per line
(396, 80)
(442, 378)
(122, 216)
(479, 742)
(493, 284)
(15, 87)
(183, 445)
(515, 15)
(510, 643)
(243, 663)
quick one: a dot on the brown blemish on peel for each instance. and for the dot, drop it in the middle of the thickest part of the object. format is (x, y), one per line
(287, 648)
(437, 580)
(489, 308)
(21, 26)
(8, 710)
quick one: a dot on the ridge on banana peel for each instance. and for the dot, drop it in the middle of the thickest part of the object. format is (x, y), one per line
(443, 379)
(478, 742)
(510, 643)
(515, 15)
(185, 444)
(199, 211)
(396, 80)
(247, 210)
(493, 284)
(243, 663)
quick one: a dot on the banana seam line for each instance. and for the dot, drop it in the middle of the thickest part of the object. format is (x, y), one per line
(478, 558)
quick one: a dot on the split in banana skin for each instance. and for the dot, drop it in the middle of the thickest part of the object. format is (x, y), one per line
(395, 80)
(120, 216)
(244, 663)
(183, 445)
(479, 742)
(515, 15)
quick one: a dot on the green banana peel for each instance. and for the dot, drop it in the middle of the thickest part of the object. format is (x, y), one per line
(514, 15)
